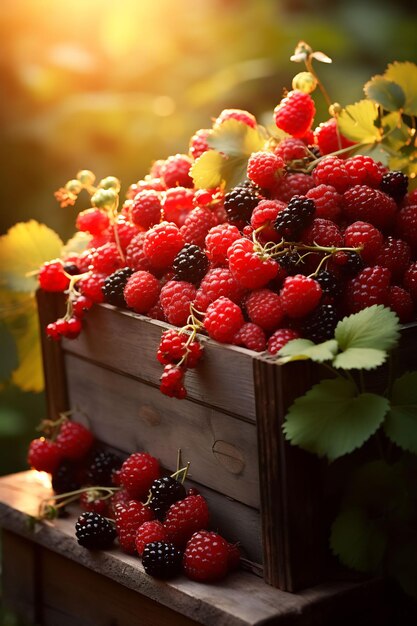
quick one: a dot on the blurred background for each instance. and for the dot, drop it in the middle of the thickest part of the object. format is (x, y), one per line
(113, 85)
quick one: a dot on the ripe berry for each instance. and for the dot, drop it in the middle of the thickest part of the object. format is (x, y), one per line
(177, 203)
(218, 240)
(190, 264)
(172, 349)
(138, 473)
(114, 286)
(172, 382)
(370, 286)
(146, 209)
(148, 533)
(250, 336)
(196, 226)
(395, 254)
(129, 518)
(332, 171)
(248, 267)
(406, 224)
(162, 244)
(395, 184)
(264, 215)
(410, 281)
(91, 286)
(68, 476)
(92, 501)
(176, 298)
(141, 291)
(236, 114)
(330, 283)
(369, 205)
(223, 319)
(320, 325)
(44, 455)
(106, 259)
(102, 468)
(327, 200)
(80, 305)
(52, 277)
(280, 338)
(161, 559)
(295, 113)
(265, 168)
(292, 185)
(93, 221)
(95, 532)
(297, 216)
(74, 441)
(125, 231)
(184, 518)
(198, 143)
(300, 295)
(71, 328)
(326, 138)
(401, 302)
(323, 233)
(363, 170)
(135, 255)
(206, 557)
(164, 492)
(264, 309)
(291, 149)
(362, 234)
(175, 171)
(240, 202)
(218, 282)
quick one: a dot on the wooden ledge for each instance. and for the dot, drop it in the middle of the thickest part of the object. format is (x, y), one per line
(241, 600)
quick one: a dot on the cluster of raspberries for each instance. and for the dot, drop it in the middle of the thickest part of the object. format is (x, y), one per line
(306, 239)
(151, 515)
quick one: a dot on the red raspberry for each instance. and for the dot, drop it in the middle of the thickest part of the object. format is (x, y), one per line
(280, 338)
(325, 137)
(74, 441)
(323, 233)
(129, 518)
(149, 183)
(198, 143)
(218, 282)
(106, 259)
(248, 267)
(176, 297)
(146, 209)
(44, 455)
(172, 382)
(300, 295)
(265, 168)
(332, 171)
(147, 533)
(264, 309)
(236, 114)
(52, 277)
(156, 312)
(93, 221)
(293, 185)
(363, 170)
(295, 113)
(135, 255)
(177, 203)
(327, 200)
(410, 280)
(196, 226)
(138, 473)
(91, 501)
(395, 254)
(365, 235)
(369, 205)
(175, 171)
(291, 149)
(206, 557)
(184, 518)
(223, 319)
(410, 198)
(406, 224)
(265, 215)
(218, 240)
(162, 244)
(120, 497)
(125, 232)
(172, 348)
(156, 168)
(370, 286)
(250, 336)
(400, 301)
(141, 291)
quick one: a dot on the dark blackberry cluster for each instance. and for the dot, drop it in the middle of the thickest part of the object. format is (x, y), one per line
(190, 264)
(66, 478)
(102, 467)
(161, 559)
(354, 264)
(295, 217)
(114, 285)
(395, 184)
(290, 262)
(320, 325)
(240, 202)
(95, 532)
(165, 491)
(329, 283)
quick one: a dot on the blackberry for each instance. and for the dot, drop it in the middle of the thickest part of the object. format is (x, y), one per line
(190, 264)
(354, 264)
(295, 217)
(114, 285)
(66, 478)
(320, 325)
(395, 184)
(329, 283)
(161, 559)
(165, 491)
(71, 269)
(95, 532)
(240, 202)
(102, 467)
(291, 263)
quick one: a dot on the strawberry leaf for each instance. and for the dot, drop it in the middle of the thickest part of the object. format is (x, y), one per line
(357, 122)
(301, 349)
(385, 92)
(404, 74)
(401, 422)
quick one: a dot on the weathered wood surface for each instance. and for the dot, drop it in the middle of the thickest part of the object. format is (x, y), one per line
(241, 600)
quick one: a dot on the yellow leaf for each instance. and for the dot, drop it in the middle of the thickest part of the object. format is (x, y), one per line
(357, 122)
(234, 138)
(206, 171)
(405, 75)
(23, 250)
(78, 243)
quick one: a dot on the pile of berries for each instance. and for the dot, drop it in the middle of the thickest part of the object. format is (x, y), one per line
(307, 238)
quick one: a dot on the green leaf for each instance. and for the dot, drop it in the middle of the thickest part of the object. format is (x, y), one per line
(236, 139)
(357, 122)
(404, 74)
(374, 327)
(360, 358)
(396, 131)
(300, 349)
(12, 423)
(401, 422)
(8, 360)
(213, 169)
(357, 541)
(385, 92)
(331, 419)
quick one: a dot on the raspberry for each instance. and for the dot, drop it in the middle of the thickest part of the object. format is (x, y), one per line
(320, 325)
(44, 455)
(325, 136)
(395, 255)
(100, 240)
(175, 171)
(300, 295)
(410, 198)
(332, 171)
(148, 533)
(410, 281)
(264, 309)
(218, 282)
(240, 202)
(291, 149)
(395, 184)
(280, 338)
(172, 349)
(198, 143)
(196, 226)
(146, 209)
(125, 232)
(363, 170)
(93, 221)
(106, 259)
(250, 336)
(74, 441)
(164, 492)
(172, 382)
(95, 532)
(190, 264)
(236, 114)
(293, 185)
(80, 305)
(184, 518)
(52, 277)
(92, 501)
(365, 235)
(138, 473)
(406, 224)
(206, 557)
(327, 200)
(247, 267)
(114, 285)
(370, 286)
(67, 477)
(295, 113)
(329, 283)
(177, 204)
(323, 233)
(176, 297)
(264, 215)
(162, 244)
(218, 240)
(102, 468)
(156, 312)
(129, 518)
(161, 560)
(400, 301)
(135, 256)
(141, 291)
(91, 286)
(223, 319)
(295, 217)
(265, 168)
(369, 205)
(149, 184)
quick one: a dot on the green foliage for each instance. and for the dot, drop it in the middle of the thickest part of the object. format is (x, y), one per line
(401, 423)
(405, 76)
(386, 93)
(357, 122)
(302, 349)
